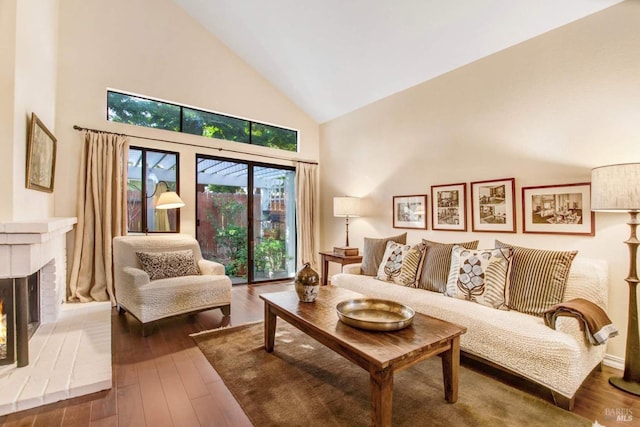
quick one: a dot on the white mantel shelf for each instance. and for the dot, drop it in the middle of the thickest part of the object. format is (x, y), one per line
(32, 232)
(26, 246)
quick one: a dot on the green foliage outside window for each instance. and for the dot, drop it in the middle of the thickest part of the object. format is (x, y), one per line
(140, 111)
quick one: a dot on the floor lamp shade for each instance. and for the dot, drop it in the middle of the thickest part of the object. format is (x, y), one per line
(169, 200)
(346, 207)
(617, 188)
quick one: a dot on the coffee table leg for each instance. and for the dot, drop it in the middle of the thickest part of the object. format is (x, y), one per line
(381, 397)
(450, 370)
(269, 328)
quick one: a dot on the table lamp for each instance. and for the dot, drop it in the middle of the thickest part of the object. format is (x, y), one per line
(346, 207)
(616, 188)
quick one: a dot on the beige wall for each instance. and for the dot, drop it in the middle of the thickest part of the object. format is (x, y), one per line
(28, 84)
(544, 112)
(154, 48)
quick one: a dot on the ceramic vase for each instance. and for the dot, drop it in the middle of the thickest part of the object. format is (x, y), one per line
(307, 284)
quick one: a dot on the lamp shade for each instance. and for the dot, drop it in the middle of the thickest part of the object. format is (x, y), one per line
(616, 187)
(346, 206)
(169, 200)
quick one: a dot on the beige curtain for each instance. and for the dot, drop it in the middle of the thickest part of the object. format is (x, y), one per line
(307, 212)
(101, 211)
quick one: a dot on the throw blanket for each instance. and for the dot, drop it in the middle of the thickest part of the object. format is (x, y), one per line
(593, 320)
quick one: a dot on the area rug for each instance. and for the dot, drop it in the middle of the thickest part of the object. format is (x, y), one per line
(303, 383)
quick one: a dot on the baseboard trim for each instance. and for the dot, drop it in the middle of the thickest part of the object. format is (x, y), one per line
(614, 361)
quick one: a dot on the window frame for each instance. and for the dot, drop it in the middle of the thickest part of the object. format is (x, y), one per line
(144, 226)
(182, 108)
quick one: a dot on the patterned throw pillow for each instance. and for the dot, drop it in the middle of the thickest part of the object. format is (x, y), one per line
(479, 275)
(162, 265)
(437, 262)
(374, 250)
(391, 263)
(538, 278)
(411, 266)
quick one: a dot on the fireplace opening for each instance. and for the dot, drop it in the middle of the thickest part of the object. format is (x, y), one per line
(15, 310)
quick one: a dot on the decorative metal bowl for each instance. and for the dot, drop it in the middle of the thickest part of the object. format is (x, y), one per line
(375, 314)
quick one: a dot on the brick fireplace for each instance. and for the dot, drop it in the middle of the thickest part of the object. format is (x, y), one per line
(70, 352)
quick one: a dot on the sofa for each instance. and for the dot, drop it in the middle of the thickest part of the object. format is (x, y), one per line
(161, 276)
(558, 359)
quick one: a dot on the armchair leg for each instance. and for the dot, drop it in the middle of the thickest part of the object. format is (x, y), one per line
(226, 310)
(146, 330)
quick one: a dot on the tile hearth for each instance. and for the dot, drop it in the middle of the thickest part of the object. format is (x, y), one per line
(68, 358)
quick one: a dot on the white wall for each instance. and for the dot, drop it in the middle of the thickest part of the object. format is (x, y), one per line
(544, 112)
(154, 48)
(28, 78)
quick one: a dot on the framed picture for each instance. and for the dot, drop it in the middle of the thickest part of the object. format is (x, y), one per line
(493, 205)
(449, 207)
(41, 157)
(558, 209)
(410, 212)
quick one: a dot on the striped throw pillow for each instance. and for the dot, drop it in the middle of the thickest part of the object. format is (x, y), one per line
(411, 266)
(538, 278)
(374, 250)
(479, 275)
(437, 263)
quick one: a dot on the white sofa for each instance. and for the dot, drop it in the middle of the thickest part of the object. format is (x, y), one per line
(150, 300)
(558, 359)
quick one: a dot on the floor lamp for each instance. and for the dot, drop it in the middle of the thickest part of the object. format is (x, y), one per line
(616, 188)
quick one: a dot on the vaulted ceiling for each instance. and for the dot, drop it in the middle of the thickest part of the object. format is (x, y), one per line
(331, 57)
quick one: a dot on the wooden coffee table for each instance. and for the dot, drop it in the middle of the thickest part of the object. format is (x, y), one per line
(379, 353)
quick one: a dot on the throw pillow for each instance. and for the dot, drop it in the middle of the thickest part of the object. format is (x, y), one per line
(162, 265)
(411, 266)
(374, 250)
(538, 278)
(479, 275)
(437, 263)
(391, 263)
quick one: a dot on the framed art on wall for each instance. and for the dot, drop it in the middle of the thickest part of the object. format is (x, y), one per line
(41, 157)
(449, 207)
(410, 212)
(558, 209)
(493, 205)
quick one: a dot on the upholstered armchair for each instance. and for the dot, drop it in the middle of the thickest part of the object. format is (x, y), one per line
(160, 276)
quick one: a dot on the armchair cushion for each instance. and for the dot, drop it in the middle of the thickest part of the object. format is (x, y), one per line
(162, 265)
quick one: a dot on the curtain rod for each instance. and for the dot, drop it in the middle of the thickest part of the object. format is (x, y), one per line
(80, 128)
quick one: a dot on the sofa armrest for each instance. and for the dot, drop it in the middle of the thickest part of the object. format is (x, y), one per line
(136, 276)
(210, 267)
(571, 326)
(352, 268)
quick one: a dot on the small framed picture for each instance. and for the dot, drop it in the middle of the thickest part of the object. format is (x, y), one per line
(493, 205)
(410, 212)
(449, 207)
(41, 157)
(558, 209)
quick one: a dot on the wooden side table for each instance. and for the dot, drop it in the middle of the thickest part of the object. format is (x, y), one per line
(329, 256)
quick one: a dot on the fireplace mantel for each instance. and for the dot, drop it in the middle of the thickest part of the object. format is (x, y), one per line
(27, 246)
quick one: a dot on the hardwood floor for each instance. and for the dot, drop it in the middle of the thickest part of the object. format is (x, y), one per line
(164, 380)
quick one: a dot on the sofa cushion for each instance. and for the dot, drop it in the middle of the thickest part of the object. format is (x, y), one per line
(479, 275)
(412, 263)
(437, 263)
(538, 278)
(374, 250)
(391, 263)
(162, 265)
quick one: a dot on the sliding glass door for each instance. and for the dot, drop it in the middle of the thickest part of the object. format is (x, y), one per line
(246, 218)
